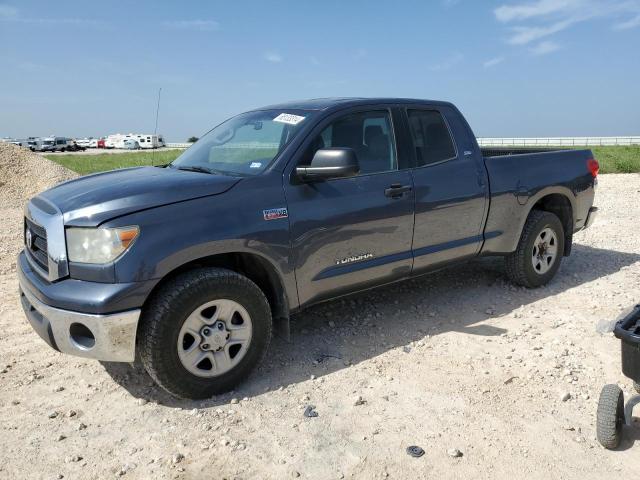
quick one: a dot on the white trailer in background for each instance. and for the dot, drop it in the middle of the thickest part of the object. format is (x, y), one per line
(149, 141)
(146, 141)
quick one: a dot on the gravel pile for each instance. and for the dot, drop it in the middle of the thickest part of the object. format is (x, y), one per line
(23, 174)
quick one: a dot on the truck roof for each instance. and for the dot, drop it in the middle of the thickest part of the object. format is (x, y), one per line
(327, 103)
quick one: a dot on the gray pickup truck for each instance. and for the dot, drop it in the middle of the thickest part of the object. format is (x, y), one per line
(189, 265)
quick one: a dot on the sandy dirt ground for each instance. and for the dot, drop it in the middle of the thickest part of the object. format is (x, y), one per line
(460, 359)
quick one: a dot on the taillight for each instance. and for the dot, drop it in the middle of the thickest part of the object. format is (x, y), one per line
(593, 166)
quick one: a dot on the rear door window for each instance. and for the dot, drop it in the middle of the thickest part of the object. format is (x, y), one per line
(431, 137)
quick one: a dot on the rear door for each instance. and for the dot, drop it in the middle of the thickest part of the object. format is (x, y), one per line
(450, 184)
(352, 233)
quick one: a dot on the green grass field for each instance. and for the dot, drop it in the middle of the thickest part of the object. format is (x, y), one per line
(611, 159)
(618, 159)
(84, 164)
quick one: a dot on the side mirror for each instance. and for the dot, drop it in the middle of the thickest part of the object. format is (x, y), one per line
(330, 163)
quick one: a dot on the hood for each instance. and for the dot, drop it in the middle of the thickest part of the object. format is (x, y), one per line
(91, 200)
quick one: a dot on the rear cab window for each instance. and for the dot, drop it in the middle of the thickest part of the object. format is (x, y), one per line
(431, 137)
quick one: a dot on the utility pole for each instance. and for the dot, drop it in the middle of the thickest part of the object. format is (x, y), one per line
(155, 130)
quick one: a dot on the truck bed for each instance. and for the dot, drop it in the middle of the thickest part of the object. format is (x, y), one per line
(519, 177)
(502, 151)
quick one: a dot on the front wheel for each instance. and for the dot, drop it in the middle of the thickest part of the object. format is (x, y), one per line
(203, 332)
(539, 252)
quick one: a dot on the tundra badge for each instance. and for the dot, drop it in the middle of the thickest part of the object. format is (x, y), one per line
(354, 258)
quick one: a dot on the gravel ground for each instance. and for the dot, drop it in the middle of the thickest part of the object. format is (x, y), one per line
(491, 380)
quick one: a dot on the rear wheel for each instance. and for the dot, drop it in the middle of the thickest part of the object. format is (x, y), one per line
(539, 252)
(610, 417)
(203, 332)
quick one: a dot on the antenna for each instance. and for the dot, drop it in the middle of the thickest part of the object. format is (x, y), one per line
(155, 130)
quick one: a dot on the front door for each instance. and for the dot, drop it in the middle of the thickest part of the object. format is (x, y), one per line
(352, 233)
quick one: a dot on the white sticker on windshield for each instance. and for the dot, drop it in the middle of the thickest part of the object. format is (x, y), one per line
(288, 118)
(255, 165)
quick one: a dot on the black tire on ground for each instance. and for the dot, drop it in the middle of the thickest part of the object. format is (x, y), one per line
(165, 313)
(610, 417)
(519, 267)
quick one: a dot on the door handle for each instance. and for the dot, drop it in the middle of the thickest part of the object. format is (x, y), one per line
(396, 190)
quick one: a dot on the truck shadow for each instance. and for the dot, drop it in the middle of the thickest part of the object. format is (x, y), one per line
(334, 335)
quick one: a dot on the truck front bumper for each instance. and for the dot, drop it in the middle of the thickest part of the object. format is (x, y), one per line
(109, 337)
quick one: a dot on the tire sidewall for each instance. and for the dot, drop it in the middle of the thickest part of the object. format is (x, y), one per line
(547, 221)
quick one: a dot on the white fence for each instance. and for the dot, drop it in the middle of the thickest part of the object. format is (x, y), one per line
(529, 142)
(558, 141)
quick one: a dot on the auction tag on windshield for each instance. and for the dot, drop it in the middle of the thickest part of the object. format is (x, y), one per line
(289, 118)
(255, 165)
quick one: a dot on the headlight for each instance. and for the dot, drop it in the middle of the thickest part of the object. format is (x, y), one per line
(99, 245)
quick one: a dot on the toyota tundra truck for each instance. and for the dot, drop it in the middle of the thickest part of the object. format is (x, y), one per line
(187, 267)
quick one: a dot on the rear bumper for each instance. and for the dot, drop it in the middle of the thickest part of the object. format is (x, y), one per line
(591, 217)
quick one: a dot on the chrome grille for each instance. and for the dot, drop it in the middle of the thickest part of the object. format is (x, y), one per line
(37, 247)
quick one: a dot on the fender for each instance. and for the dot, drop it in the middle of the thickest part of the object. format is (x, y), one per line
(507, 241)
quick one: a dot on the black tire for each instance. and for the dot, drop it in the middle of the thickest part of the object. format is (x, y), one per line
(519, 267)
(165, 313)
(610, 417)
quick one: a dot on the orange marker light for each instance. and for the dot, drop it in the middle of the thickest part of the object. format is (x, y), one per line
(127, 235)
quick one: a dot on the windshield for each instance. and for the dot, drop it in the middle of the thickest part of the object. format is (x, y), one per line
(244, 145)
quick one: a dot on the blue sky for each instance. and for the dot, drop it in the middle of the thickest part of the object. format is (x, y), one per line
(514, 68)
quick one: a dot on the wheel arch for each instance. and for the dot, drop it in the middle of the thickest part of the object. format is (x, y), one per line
(560, 202)
(254, 266)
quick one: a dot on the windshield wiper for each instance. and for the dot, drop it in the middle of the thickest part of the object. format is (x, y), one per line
(201, 169)
(197, 168)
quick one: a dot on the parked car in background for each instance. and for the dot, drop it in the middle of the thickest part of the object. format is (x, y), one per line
(131, 144)
(110, 142)
(59, 144)
(72, 146)
(47, 145)
(101, 143)
(84, 142)
(34, 144)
